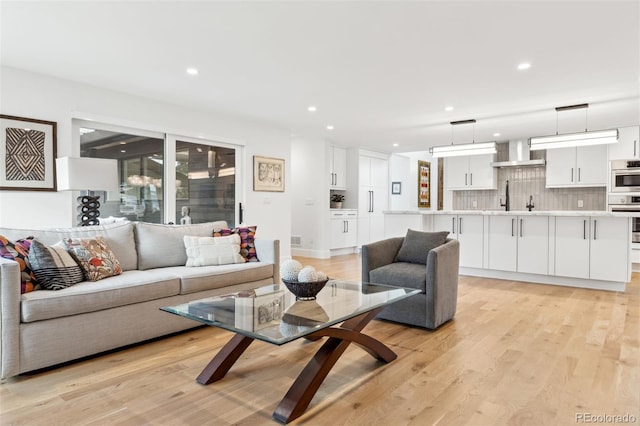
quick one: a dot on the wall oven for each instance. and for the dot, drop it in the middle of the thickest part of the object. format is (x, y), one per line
(625, 176)
(628, 204)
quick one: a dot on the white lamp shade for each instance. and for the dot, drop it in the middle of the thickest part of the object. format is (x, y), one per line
(85, 173)
(568, 140)
(463, 149)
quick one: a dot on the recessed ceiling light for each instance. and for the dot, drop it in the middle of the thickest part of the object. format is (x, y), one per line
(123, 150)
(192, 71)
(524, 66)
(123, 143)
(495, 135)
(395, 144)
(449, 108)
(312, 108)
(329, 127)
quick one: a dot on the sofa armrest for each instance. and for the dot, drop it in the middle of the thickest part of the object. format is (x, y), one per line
(9, 318)
(269, 251)
(443, 263)
(378, 254)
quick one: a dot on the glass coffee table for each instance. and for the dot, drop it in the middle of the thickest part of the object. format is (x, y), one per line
(272, 314)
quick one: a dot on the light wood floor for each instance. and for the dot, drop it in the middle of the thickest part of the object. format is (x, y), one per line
(515, 353)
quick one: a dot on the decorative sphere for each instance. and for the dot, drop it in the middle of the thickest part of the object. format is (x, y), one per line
(321, 275)
(289, 269)
(308, 274)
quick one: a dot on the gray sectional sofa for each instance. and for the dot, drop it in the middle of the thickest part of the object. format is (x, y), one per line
(44, 328)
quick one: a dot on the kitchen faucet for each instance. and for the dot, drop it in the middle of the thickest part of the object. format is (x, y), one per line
(507, 204)
(530, 205)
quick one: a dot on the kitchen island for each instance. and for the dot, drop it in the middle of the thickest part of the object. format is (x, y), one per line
(588, 249)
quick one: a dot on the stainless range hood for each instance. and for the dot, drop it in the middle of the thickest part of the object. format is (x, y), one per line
(519, 155)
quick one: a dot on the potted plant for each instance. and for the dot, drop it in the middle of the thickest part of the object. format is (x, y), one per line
(336, 201)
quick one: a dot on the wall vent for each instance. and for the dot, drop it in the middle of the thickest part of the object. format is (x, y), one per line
(296, 241)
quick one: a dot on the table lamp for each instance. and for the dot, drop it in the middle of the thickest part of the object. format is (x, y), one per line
(87, 174)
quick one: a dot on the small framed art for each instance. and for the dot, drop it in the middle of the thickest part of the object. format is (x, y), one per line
(424, 184)
(396, 188)
(268, 174)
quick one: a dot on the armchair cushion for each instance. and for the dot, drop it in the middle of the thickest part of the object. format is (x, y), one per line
(416, 246)
(401, 274)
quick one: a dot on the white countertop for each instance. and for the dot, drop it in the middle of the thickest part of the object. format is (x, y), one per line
(602, 213)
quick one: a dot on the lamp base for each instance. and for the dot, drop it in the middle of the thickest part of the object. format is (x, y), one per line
(88, 210)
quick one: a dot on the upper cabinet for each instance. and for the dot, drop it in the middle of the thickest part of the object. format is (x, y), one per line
(337, 168)
(628, 145)
(472, 172)
(573, 167)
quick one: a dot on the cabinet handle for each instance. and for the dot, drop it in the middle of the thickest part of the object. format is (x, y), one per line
(634, 147)
(595, 229)
(578, 174)
(347, 222)
(471, 179)
(513, 222)
(372, 201)
(333, 178)
(584, 229)
(521, 227)
(460, 226)
(465, 179)
(572, 174)
(453, 225)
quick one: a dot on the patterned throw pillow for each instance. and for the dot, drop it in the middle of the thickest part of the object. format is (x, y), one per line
(94, 257)
(247, 244)
(54, 268)
(19, 252)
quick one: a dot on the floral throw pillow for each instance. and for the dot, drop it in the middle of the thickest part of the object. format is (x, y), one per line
(19, 251)
(247, 240)
(94, 257)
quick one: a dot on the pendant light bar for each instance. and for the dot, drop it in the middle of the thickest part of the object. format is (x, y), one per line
(597, 137)
(463, 149)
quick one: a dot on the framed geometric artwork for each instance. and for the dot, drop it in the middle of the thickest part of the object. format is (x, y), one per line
(27, 154)
(424, 184)
(268, 174)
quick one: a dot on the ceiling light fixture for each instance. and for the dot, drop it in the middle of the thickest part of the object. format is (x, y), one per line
(567, 140)
(449, 108)
(395, 144)
(495, 135)
(329, 127)
(312, 108)
(463, 149)
(524, 66)
(192, 71)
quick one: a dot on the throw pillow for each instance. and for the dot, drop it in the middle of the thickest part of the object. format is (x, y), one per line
(206, 251)
(53, 267)
(247, 240)
(94, 257)
(416, 245)
(19, 251)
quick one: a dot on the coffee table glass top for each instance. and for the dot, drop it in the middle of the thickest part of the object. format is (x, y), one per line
(272, 314)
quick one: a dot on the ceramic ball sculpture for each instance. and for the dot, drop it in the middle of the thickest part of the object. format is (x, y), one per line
(321, 276)
(289, 269)
(308, 274)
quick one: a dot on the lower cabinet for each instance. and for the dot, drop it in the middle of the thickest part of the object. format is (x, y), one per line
(469, 230)
(344, 228)
(593, 247)
(519, 244)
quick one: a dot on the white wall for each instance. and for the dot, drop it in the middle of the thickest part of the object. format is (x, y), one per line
(404, 168)
(310, 196)
(31, 95)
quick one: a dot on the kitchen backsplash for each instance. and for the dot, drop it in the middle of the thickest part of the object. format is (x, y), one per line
(527, 181)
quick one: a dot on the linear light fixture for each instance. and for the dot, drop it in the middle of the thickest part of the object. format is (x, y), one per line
(463, 149)
(568, 140)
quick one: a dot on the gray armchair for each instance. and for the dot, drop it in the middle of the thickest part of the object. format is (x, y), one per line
(438, 280)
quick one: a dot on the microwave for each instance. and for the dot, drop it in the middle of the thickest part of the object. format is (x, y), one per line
(625, 176)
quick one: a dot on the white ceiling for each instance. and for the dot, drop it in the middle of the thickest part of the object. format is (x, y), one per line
(380, 72)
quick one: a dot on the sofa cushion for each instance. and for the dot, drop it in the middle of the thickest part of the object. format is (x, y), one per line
(94, 257)
(213, 277)
(18, 251)
(404, 274)
(163, 245)
(247, 240)
(128, 288)
(53, 266)
(206, 251)
(119, 236)
(416, 245)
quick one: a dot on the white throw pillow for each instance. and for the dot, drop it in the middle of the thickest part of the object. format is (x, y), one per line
(206, 251)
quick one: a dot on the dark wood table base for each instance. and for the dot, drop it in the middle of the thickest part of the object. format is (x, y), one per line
(300, 394)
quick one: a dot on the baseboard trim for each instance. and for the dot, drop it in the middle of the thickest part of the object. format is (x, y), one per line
(316, 254)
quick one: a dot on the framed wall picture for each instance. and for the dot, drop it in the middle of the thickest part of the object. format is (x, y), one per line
(424, 184)
(396, 188)
(268, 174)
(27, 154)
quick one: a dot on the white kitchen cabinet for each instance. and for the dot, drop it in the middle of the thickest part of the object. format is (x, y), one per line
(593, 247)
(337, 167)
(344, 228)
(628, 145)
(578, 166)
(469, 230)
(519, 243)
(470, 172)
(373, 198)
